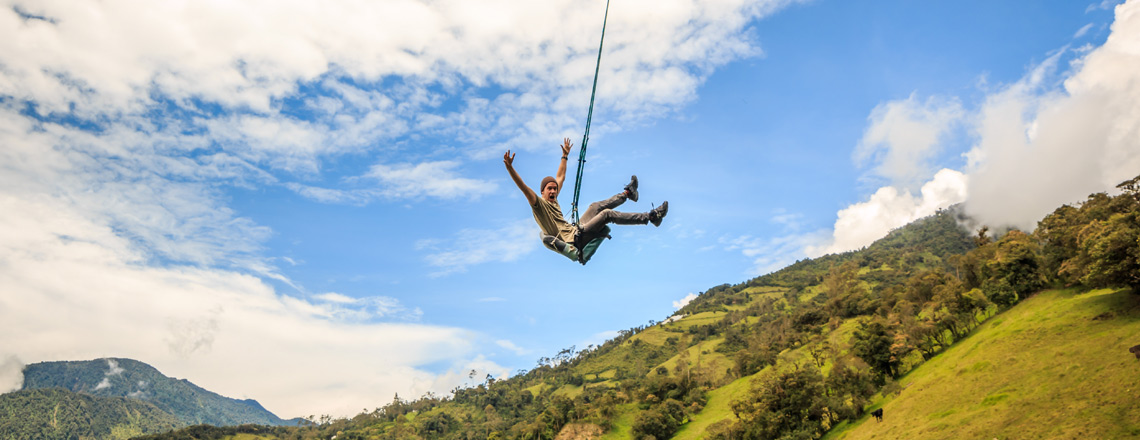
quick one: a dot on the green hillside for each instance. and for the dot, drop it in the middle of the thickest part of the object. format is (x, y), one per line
(961, 331)
(1055, 366)
(111, 377)
(49, 414)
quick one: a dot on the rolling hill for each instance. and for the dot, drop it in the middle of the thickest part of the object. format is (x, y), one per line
(953, 334)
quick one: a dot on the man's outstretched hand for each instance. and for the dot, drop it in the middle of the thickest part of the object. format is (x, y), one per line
(566, 146)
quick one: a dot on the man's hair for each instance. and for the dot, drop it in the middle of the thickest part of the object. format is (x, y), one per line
(545, 180)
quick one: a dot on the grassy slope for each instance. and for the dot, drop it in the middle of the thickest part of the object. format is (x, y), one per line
(623, 423)
(1055, 366)
(718, 408)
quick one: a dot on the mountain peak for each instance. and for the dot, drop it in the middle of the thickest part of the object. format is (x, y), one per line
(129, 378)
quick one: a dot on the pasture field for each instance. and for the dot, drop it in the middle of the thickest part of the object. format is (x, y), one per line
(1054, 366)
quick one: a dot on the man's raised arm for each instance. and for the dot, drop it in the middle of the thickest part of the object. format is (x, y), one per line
(531, 197)
(560, 176)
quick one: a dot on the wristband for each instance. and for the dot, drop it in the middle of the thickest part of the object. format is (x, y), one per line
(564, 157)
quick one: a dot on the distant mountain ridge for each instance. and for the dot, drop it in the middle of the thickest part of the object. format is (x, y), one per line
(118, 377)
(54, 413)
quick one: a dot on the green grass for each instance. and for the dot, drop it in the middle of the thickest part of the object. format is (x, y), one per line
(250, 437)
(655, 335)
(705, 355)
(537, 389)
(1055, 366)
(719, 408)
(569, 391)
(607, 374)
(703, 318)
(623, 424)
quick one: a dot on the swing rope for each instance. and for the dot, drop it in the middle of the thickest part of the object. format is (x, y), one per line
(589, 117)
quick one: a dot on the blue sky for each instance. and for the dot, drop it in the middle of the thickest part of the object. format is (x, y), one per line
(305, 203)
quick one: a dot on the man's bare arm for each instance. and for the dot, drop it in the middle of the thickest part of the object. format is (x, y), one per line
(560, 176)
(508, 160)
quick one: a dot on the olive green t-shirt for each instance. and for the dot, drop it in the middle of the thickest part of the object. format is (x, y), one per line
(548, 215)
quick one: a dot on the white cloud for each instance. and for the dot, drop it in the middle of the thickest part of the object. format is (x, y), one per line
(466, 374)
(11, 374)
(502, 245)
(435, 179)
(1104, 5)
(174, 313)
(770, 254)
(512, 347)
(597, 339)
(334, 297)
(861, 224)
(1083, 30)
(1039, 148)
(342, 307)
(684, 301)
(904, 135)
(113, 368)
(123, 57)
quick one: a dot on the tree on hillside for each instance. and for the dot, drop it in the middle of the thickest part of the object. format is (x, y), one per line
(1112, 249)
(659, 422)
(1131, 187)
(846, 294)
(1015, 263)
(873, 342)
(849, 389)
(1058, 233)
(789, 405)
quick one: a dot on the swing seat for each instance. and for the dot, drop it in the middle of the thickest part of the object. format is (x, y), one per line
(587, 244)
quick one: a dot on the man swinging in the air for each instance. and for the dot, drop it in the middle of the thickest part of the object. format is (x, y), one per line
(559, 235)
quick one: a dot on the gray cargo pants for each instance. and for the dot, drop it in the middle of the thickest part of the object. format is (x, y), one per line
(602, 213)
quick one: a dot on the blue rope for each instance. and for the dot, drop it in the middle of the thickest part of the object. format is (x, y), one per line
(589, 118)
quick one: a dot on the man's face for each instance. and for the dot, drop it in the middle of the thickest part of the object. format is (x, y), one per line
(550, 191)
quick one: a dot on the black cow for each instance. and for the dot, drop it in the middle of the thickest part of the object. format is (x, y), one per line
(1136, 351)
(878, 414)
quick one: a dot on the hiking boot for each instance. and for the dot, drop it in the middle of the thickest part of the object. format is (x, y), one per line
(658, 213)
(566, 249)
(631, 188)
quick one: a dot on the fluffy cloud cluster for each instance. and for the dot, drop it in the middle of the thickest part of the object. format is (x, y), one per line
(1040, 148)
(74, 290)
(861, 224)
(904, 135)
(1036, 146)
(684, 301)
(362, 72)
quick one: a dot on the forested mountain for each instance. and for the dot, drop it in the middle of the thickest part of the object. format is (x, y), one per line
(55, 413)
(187, 403)
(813, 348)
